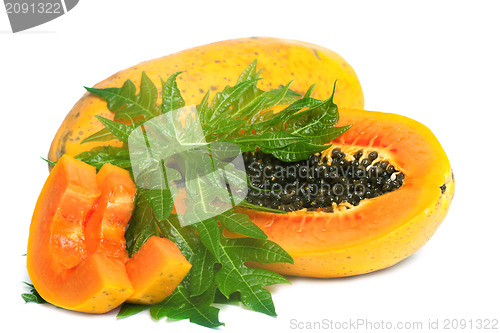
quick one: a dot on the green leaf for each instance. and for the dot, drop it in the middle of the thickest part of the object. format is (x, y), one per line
(248, 73)
(246, 204)
(142, 225)
(99, 156)
(321, 116)
(203, 106)
(309, 91)
(146, 98)
(223, 100)
(161, 198)
(235, 276)
(269, 140)
(276, 96)
(222, 299)
(259, 250)
(49, 162)
(185, 237)
(298, 152)
(240, 223)
(171, 96)
(161, 201)
(209, 235)
(126, 103)
(268, 121)
(33, 295)
(326, 135)
(181, 305)
(103, 135)
(202, 272)
(119, 130)
(128, 309)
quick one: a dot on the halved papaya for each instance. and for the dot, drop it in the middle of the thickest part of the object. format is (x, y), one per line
(76, 256)
(379, 231)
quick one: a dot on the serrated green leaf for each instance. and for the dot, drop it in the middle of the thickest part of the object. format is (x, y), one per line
(249, 72)
(181, 305)
(309, 91)
(223, 100)
(128, 309)
(32, 296)
(220, 298)
(124, 101)
(119, 130)
(298, 152)
(240, 223)
(185, 237)
(209, 235)
(326, 135)
(147, 96)
(202, 271)
(99, 156)
(142, 225)
(259, 250)
(49, 162)
(321, 116)
(235, 276)
(161, 201)
(246, 204)
(161, 196)
(269, 140)
(276, 96)
(171, 95)
(101, 136)
(260, 300)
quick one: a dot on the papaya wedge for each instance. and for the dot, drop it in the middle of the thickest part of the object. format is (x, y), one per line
(76, 256)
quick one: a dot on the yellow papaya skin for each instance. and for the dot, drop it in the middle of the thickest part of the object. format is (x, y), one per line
(212, 67)
(376, 254)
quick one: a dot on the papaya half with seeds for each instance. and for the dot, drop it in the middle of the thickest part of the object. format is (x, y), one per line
(76, 256)
(210, 68)
(381, 230)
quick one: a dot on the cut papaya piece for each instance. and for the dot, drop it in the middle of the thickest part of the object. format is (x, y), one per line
(156, 270)
(105, 230)
(57, 260)
(77, 255)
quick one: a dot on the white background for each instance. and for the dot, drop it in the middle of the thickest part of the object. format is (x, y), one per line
(437, 62)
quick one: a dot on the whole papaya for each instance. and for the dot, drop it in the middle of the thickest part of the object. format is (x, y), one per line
(210, 68)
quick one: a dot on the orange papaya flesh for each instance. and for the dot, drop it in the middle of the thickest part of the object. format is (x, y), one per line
(105, 229)
(77, 255)
(380, 231)
(58, 264)
(155, 270)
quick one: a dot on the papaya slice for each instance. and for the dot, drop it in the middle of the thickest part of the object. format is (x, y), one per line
(379, 231)
(155, 270)
(77, 257)
(105, 229)
(57, 259)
